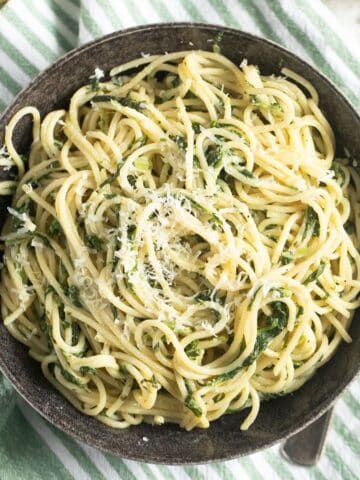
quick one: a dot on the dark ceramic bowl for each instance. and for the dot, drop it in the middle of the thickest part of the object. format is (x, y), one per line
(278, 418)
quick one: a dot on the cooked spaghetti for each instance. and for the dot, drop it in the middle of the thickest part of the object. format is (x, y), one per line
(181, 243)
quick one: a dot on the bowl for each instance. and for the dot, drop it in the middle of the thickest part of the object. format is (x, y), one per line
(169, 444)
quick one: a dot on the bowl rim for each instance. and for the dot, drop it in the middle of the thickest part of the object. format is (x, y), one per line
(69, 56)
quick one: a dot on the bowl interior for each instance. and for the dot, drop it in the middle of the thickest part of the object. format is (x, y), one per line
(169, 444)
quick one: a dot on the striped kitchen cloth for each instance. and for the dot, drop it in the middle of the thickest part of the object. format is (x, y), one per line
(33, 33)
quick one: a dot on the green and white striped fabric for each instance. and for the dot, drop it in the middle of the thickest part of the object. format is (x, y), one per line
(33, 33)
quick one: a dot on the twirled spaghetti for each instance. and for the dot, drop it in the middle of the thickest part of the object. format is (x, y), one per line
(182, 243)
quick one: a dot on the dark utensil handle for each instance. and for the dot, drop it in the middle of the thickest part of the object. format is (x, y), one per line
(305, 447)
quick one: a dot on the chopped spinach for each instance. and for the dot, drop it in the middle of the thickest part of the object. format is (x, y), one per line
(180, 141)
(69, 377)
(54, 228)
(103, 98)
(339, 172)
(129, 102)
(287, 257)
(113, 311)
(131, 231)
(246, 173)
(223, 377)
(74, 295)
(193, 406)
(350, 227)
(86, 369)
(26, 208)
(276, 322)
(113, 177)
(193, 350)
(196, 127)
(214, 155)
(94, 242)
(75, 333)
(312, 224)
(175, 82)
(315, 274)
(46, 330)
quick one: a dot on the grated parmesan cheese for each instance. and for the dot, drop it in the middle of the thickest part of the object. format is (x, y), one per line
(98, 74)
(29, 226)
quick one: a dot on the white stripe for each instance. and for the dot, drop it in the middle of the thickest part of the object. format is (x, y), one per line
(53, 442)
(100, 16)
(331, 57)
(182, 473)
(355, 390)
(278, 27)
(38, 31)
(22, 44)
(135, 468)
(13, 69)
(147, 11)
(101, 462)
(181, 14)
(234, 466)
(262, 464)
(244, 19)
(347, 416)
(42, 6)
(206, 10)
(326, 468)
(340, 446)
(332, 23)
(86, 35)
(158, 474)
(126, 18)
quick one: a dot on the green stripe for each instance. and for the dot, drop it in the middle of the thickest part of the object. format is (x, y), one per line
(332, 37)
(67, 19)
(351, 402)
(30, 455)
(224, 471)
(254, 12)
(316, 474)
(89, 23)
(346, 435)
(248, 465)
(2, 106)
(50, 27)
(136, 14)
(309, 45)
(121, 468)
(33, 39)
(224, 13)
(338, 463)
(165, 14)
(193, 472)
(261, 20)
(166, 472)
(278, 465)
(12, 85)
(196, 15)
(149, 474)
(15, 54)
(111, 13)
(82, 458)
